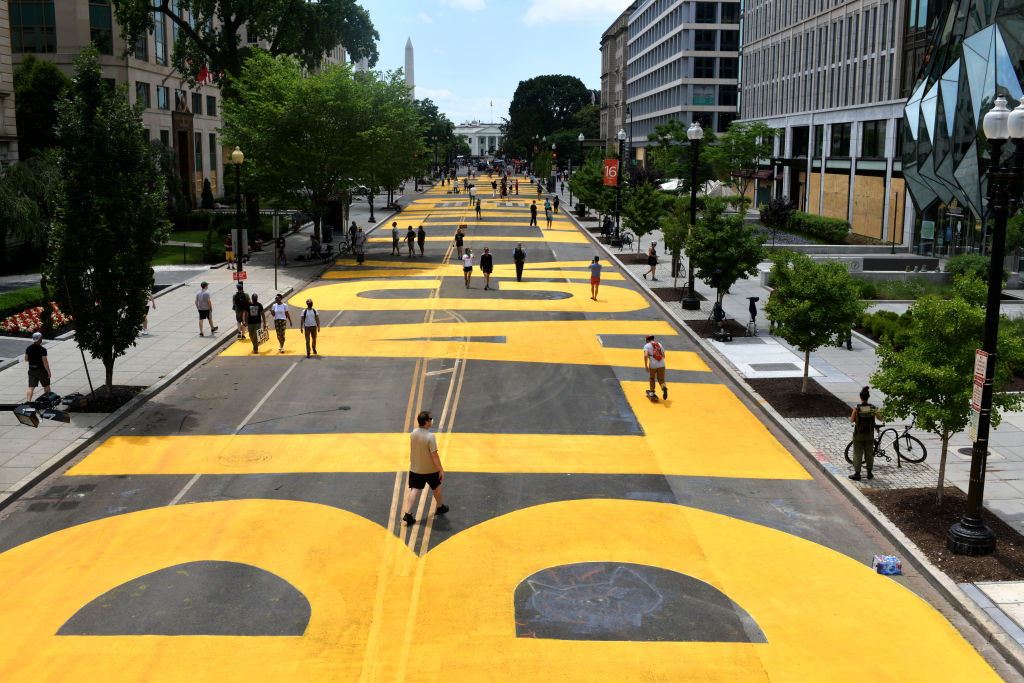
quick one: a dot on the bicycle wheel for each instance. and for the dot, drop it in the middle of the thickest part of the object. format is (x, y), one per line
(910, 448)
(849, 453)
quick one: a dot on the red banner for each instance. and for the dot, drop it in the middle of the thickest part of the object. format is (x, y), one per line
(611, 171)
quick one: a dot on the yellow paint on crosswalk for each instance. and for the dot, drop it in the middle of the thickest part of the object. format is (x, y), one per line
(454, 270)
(552, 236)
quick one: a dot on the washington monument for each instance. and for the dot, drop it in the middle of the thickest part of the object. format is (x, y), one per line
(410, 78)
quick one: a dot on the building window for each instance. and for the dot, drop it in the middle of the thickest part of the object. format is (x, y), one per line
(162, 99)
(199, 151)
(872, 142)
(730, 41)
(213, 155)
(840, 146)
(724, 121)
(180, 103)
(728, 67)
(100, 26)
(142, 95)
(704, 67)
(159, 37)
(211, 105)
(707, 12)
(727, 95)
(33, 27)
(197, 105)
(165, 136)
(704, 40)
(799, 142)
(730, 13)
(819, 141)
(142, 48)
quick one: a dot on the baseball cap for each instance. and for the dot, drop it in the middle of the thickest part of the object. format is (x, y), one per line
(36, 336)
(309, 302)
(239, 285)
(650, 337)
(203, 283)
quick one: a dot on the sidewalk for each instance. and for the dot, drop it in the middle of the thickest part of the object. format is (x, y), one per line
(172, 347)
(996, 608)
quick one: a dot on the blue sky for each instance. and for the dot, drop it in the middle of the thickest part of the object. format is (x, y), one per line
(469, 52)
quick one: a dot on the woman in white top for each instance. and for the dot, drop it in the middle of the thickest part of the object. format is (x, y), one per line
(280, 311)
(467, 265)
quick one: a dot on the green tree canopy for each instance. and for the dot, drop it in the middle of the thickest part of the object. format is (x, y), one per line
(814, 304)
(642, 211)
(735, 154)
(931, 378)
(210, 32)
(110, 217)
(723, 244)
(391, 135)
(541, 106)
(38, 83)
(438, 132)
(671, 154)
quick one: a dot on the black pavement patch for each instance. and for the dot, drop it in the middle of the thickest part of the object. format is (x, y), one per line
(627, 602)
(196, 598)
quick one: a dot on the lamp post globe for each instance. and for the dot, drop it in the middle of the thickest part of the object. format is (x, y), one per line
(694, 133)
(237, 157)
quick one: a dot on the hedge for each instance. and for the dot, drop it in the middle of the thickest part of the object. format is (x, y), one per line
(889, 326)
(972, 264)
(833, 230)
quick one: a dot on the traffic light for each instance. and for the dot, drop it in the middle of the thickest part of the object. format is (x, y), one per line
(554, 156)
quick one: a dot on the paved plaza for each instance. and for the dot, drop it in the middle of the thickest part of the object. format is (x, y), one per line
(244, 523)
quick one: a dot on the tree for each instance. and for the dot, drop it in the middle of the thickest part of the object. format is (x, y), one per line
(206, 200)
(736, 153)
(671, 154)
(37, 85)
(642, 211)
(391, 135)
(176, 199)
(588, 184)
(675, 228)
(931, 377)
(722, 247)
(211, 36)
(438, 131)
(814, 304)
(587, 121)
(110, 218)
(541, 106)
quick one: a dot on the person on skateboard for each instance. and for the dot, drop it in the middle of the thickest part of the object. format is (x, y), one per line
(654, 361)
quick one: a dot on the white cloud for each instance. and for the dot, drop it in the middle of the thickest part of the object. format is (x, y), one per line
(460, 109)
(425, 19)
(468, 5)
(575, 12)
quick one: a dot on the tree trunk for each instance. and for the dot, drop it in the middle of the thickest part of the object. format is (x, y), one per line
(942, 467)
(807, 365)
(675, 267)
(47, 307)
(316, 226)
(108, 366)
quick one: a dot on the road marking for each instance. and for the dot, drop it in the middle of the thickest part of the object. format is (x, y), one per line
(441, 372)
(184, 489)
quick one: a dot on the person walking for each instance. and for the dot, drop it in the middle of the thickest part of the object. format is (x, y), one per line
(424, 467)
(519, 258)
(255, 319)
(459, 238)
(652, 261)
(555, 203)
(864, 418)
(486, 266)
(421, 237)
(410, 239)
(279, 254)
(479, 212)
(360, 245)
(595, 277)
(654, 361)
(472, 195)
(467, 266)
(239, 303)
(205, 307)
(547, 212)
(494, 189)
(279, 309)
(152, 303)
(310, 323)
(38, 366)
(395, 251)
(517, 187)
(229, 252)
(533, 213)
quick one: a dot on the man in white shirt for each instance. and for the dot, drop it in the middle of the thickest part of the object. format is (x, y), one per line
(654, 361)
(310, 321)
(281, 314)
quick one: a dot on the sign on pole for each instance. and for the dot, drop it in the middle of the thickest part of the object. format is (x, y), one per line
(611, 171)
(980, 367)
(238, 275)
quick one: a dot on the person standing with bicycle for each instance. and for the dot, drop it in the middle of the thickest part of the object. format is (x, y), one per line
(864, 418)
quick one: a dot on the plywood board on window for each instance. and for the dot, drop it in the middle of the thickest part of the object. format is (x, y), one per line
(868, 205)
(814, 193)
(837, 196)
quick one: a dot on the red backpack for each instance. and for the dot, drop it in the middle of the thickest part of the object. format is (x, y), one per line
(657, 353)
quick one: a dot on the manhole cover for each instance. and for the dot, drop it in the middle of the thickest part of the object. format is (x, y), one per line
(245, 458)
(211, 396)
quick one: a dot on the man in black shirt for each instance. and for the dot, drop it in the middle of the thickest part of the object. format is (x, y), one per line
(38, 366)
(255, 318)
(281, 257)
(238, 304)
(533, 213)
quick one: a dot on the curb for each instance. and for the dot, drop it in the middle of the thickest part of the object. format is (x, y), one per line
(964, 605)
(109, 422)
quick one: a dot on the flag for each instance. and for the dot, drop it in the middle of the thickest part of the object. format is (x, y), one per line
(592, 97)
(205, 76)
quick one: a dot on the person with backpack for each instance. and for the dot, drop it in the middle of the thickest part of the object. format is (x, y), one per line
(595, 278)
(519, 257)
(310, 323)
(239, 303)
(654, 361)
(255, 318)
(866, 419)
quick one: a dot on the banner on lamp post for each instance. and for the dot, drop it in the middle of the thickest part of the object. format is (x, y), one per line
(611, 171)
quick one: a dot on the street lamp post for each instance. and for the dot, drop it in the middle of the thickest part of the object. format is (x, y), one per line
(435, 154)
(971, 536)
(618, 185)
(694, 133)
(237, 158)
(554, 169)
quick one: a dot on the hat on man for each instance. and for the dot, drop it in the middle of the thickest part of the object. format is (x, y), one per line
(239, 285)
(36, 336)
(650, 337)
(203, 283)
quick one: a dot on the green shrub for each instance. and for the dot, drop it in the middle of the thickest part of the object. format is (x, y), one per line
(867, 289)
(12, 303)
(901, 289)
(972, 264)
(207, 198)
(213, 247)
(889, 327)
(834, 230)
(776, 214)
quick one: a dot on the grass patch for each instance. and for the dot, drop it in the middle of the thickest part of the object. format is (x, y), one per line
(20, 299)
(168, 255)
(197, 236)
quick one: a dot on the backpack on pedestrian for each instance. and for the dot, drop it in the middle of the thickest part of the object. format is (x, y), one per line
(241, 301)
(864, 419)
(657, 353)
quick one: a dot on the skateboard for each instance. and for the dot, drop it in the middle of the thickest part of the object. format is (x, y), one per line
(653, 396)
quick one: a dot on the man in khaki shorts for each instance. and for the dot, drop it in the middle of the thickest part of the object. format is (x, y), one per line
(424, 467)
(654, 361)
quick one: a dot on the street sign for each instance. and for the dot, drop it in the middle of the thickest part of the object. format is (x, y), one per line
(611, 171)
(972, 430)
(238, 275)
(980, 365)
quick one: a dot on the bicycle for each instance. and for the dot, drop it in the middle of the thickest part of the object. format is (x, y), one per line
(905, 446)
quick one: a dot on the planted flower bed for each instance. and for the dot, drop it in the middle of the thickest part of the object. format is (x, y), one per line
(31, 320)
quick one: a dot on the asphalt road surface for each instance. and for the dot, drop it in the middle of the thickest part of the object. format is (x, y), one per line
(246, 523)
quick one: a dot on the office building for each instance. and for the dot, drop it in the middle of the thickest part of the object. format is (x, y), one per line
(613, 76)
(682, 62)
(8, 127)
(826, 74)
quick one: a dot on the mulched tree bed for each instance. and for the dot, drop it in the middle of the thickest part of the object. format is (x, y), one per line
(632, 257)
(706, 329)
(100, 402)
(915, 513)
(676, 294)
(783, 394)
